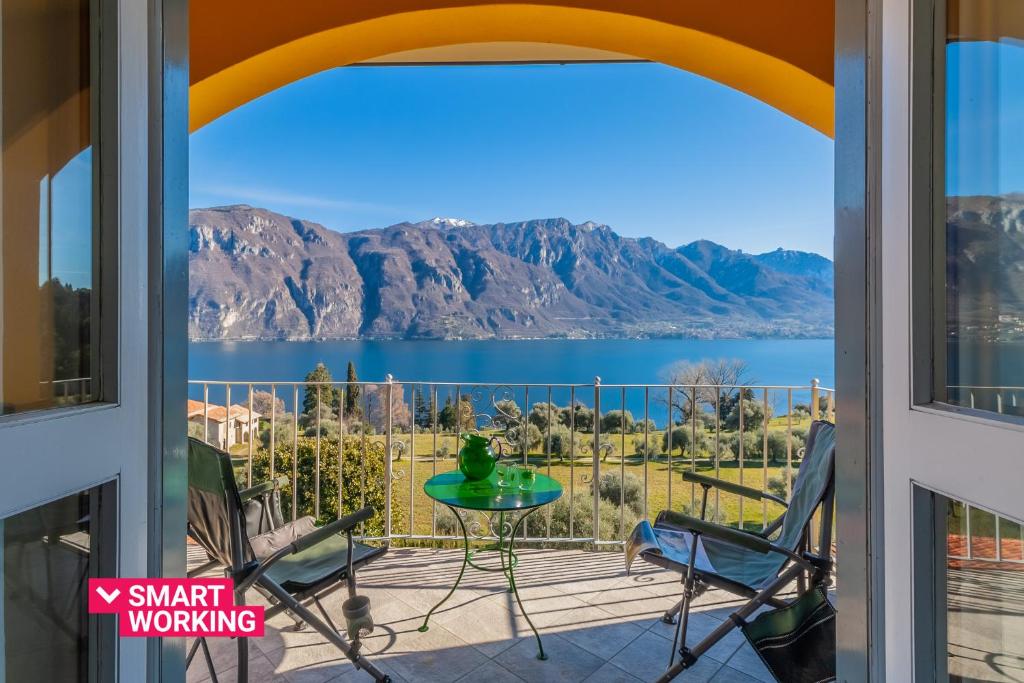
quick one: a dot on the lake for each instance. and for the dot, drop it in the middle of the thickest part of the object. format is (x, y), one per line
(545, 361)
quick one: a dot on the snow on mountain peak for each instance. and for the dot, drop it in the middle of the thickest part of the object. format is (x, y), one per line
(440, 222)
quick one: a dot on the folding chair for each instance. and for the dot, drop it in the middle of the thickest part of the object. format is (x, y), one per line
(294, 564)
(752, 565)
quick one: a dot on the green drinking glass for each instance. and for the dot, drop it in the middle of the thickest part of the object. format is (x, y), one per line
(527, 477)
(508, 475)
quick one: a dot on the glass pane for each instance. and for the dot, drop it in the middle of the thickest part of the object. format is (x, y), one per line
(47, 227)
(984, 599)
(984, 208)
(47, 557)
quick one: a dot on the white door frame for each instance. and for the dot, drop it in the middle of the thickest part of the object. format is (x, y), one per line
(940, 448)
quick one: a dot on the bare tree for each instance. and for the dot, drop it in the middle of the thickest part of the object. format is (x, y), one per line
(376, 397)
(262, 404)
(703, 382)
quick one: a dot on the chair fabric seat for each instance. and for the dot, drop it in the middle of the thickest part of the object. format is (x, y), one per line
(325, 560)
(738, 565)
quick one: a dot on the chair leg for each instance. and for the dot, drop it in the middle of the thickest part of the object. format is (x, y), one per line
(299, 623)
(765, 596)
(669, 617)
(684, 610)
(242, 643)
(209, 660)
(349, 650)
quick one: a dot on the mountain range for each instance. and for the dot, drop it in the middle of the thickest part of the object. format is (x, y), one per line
(985, 265)
(257, 274)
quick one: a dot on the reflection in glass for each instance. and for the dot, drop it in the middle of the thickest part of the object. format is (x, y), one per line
(48, 554)
(47, 228)
(984, 597)
(984, 179)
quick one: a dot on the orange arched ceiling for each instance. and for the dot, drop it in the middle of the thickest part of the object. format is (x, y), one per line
(780, 52)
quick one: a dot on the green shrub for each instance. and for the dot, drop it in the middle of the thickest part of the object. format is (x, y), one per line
(446, 523)
(753, 415)
(731, 445)
(363, 480)
(539, 415)
(558, 442)
(612, 422)
(777, 484)
(534, 437)
(639, 425)
(651, 449)
(681, 437)
(581, 506)
(582, 418)
(611, 486)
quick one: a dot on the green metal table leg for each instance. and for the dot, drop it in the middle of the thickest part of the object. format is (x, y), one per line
(512, 581)
(501, 553)
(465, 561)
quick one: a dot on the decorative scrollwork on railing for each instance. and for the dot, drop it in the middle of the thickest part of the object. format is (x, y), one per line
(604, 449)
(496, 411)
(398, 448)
(502, 521)
(476, 523)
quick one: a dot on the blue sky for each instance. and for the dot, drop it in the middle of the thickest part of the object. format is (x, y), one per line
(985, 118)
(646, 148)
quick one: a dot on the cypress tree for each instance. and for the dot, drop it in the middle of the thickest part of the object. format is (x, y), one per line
(352, 392)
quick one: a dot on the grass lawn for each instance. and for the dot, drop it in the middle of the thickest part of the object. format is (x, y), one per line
(665, 487)
(663, 491)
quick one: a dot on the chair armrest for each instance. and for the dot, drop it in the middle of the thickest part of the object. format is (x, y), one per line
(731, 487)
(264, 488)
(717, 531)
(345, 524)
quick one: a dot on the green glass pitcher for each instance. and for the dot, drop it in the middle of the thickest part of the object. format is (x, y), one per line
(477, 458)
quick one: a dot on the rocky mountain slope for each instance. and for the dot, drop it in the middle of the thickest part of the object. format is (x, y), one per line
(985, 264)
(255, 274)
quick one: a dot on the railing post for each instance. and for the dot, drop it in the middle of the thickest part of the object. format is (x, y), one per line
(387, 457)
(248, 476)
(295, 451)
(206, 413)
(740, 454)
(815, 413)
(227, 418)
(596, 473)
(273, 428)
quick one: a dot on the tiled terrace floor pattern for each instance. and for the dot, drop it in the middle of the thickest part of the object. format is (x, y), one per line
(598, 626)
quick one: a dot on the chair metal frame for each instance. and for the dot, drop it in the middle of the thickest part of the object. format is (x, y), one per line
(800, 565)
(248, 572)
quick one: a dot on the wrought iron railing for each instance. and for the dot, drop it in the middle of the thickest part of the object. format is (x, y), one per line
(1003, 400)
(976, 534)
(618, 450)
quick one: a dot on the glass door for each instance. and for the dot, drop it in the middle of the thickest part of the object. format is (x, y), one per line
(73, 339)
(962, 442)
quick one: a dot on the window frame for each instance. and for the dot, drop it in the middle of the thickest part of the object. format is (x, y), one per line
(104, 300)
(927, 220)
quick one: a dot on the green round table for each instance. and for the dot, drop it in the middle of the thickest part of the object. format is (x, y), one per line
(453, 490)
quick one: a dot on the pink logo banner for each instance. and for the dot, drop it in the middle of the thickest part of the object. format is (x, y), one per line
(175, 607)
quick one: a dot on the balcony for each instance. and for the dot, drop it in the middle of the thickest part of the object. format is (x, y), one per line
(597, 623)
